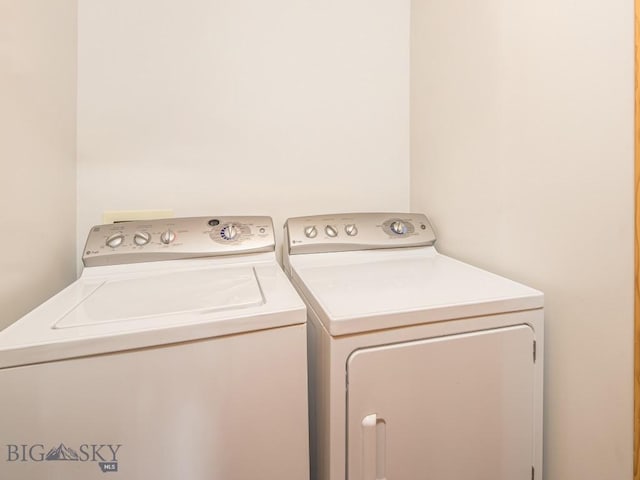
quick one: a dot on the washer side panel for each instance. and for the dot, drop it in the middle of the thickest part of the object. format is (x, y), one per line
(227, 408)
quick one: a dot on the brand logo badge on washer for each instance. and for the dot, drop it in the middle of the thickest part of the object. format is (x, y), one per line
(105, 455)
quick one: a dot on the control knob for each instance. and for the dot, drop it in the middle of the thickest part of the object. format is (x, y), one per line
(141, 238)
(311, 232)
(167, 237)
(115, 240)
(398, 227)
(229, 232)
(351, 230)
(331, 231)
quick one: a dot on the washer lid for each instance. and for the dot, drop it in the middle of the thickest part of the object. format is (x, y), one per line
(362, 291)
(169, 293)
(126, 307)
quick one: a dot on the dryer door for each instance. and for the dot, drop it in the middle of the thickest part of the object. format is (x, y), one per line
(448, 408)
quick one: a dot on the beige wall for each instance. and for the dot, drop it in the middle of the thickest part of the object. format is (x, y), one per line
(522, 154)
(521, 150)
(37, 152)
(281, 108)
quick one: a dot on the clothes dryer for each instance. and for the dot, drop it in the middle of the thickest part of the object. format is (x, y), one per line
(180, 352)
(420, 366)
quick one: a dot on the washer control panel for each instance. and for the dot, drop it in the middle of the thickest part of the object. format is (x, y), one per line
(177, 238)
(357, 231)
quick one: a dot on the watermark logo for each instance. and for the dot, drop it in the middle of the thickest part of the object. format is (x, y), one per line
(61, 452)
(105, 455)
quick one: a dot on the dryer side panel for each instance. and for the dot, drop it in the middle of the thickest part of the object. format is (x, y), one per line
(459, 406)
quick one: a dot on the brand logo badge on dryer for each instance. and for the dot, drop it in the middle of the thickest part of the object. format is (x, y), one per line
(105, 455)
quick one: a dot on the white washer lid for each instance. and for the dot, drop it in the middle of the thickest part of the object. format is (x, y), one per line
(158, 294)
(370, 290)
(124, 307)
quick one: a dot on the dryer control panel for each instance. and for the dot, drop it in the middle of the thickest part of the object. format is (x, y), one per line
(357, 231)
(177, 238)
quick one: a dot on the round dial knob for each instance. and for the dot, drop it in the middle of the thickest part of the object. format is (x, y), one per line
(311, 232)
(351, 230)
(115, 240)
(398, 227)
(331, 231)
(141, 238)
(167, 237)
(229, 232)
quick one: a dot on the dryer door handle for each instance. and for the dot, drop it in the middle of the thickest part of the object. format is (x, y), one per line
(373, 447)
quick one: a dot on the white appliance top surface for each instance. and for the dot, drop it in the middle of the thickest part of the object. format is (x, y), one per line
(370, 290)
(122, 307)
(102, 300)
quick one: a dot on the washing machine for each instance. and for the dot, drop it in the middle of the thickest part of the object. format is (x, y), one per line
(420, 366)
(180, 352)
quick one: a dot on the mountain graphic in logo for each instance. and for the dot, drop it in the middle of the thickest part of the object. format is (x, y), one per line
(62, 453)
